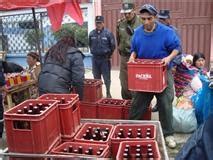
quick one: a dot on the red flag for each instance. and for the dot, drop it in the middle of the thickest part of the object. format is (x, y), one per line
(73, 10)
(56, 19)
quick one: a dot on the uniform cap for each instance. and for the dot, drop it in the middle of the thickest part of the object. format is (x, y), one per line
(99, 19)
(127, 7)
(149, 8)
(164, 14)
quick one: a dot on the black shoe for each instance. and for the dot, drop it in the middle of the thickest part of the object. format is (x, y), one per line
(109, 95)
(155, 108)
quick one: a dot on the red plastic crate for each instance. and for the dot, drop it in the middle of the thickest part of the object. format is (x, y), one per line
(127, 107)
(88, 109)
(32, 133)
(63, 148)
(92, 90)
(69, 113)
(109, 108)
(147, 75)
(82, 131)
(116, 141)
(144, 147)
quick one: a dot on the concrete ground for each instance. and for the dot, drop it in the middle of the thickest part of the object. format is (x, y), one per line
(115, 91)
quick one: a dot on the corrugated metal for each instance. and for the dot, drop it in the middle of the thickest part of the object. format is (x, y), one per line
(193, 19)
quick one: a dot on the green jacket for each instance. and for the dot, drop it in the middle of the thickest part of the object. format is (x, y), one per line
(123, 38)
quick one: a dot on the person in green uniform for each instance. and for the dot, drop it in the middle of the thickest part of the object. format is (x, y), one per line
(124, 31)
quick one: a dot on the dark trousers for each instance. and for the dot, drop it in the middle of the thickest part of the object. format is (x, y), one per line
(141, 101)
(102, 66)
(125, 93)
(1, 116)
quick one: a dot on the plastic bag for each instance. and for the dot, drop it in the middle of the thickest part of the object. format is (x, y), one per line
(184, 121)
(203, 101)
(196, 83)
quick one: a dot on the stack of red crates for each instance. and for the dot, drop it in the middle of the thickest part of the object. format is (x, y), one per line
(69, 113)
(92, 93)
(147, 75)
(32, 126)
(115, 140)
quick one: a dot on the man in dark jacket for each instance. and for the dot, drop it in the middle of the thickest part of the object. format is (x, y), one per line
(2, 83)
(102, 46)
(200, 144)
(63, 69)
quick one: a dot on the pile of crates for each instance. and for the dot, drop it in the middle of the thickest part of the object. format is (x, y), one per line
(95, 106)
(51, 125)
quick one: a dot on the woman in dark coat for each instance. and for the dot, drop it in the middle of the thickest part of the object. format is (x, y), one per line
(63, 69)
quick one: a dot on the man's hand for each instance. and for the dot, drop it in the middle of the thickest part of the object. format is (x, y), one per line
(132, 57)
(166, 60)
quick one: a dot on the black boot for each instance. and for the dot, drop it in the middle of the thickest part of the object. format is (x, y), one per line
(108, 94)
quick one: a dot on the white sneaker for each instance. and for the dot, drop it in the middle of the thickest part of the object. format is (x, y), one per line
(170, 141)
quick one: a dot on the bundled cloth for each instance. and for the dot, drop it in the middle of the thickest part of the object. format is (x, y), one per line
(183, 77)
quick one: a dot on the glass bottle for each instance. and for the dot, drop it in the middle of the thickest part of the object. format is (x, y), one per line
(90, 151)
(98, 153)
(30, 111)
(30, 106)
(35, 110)
(80, 149)
(122, 133)
(25, 109)
(70, 149)
(101, 149)
(62, 100)
(19, 111)
(65, 150)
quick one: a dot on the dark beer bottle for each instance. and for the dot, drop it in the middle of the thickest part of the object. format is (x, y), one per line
(30, 106)
(62, 100)
(75, 151)
(70, 149)
(122, 133)
(25, 109)
(138, 156)
(65, 150)
(90, 151)
(19, 111)
(98, 153)
(101, 149)
(139, 135)
(149, 145)
(40, 106)
(30, 111)
(35, 110)
(80, 149)
(148, 133)
(125, 155)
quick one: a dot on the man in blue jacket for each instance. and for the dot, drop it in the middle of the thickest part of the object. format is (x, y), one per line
(102, 46)
(153, 40)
